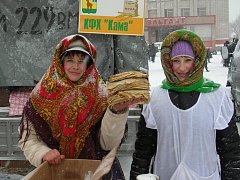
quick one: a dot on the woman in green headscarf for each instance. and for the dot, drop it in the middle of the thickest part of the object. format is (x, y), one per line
(187, 124)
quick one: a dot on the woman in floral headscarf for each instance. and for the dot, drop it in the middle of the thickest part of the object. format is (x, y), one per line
(189, 122)
(67, 115)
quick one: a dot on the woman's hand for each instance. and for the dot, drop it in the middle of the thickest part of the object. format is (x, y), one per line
(123, 107)
(53, 157)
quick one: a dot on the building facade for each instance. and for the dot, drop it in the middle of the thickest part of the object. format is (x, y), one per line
(207, 18)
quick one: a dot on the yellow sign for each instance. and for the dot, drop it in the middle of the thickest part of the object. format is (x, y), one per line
(122, 17)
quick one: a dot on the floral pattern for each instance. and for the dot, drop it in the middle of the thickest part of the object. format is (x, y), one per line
(70, 109)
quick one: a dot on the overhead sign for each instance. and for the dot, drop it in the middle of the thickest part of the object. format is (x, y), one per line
(179, 21)
(122, 17)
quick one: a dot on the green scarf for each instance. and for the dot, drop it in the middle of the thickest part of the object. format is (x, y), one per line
(204, 85)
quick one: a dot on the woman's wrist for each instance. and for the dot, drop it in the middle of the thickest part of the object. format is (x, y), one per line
(120, 111)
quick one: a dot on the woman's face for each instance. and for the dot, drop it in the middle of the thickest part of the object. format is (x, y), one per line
(75, 64)
(182, 66)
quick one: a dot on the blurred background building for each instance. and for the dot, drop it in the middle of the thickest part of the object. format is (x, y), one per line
(208, 18)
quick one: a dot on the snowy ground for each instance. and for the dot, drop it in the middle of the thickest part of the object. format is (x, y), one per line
(7, 176)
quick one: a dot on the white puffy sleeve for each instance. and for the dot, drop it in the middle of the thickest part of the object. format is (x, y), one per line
(226, 111)
(112, 129)
(34, 149)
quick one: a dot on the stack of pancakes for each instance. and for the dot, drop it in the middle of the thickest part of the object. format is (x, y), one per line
(126, 86)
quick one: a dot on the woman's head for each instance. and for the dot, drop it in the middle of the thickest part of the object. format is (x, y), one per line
(75, 63)
(74, 55)
(183, 56)
(182, 67)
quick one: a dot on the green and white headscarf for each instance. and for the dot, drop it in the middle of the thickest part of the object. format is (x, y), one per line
(195, 81)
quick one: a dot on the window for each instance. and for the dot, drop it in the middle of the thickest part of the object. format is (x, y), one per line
(201, 12)
(168, 12)
(185, 12)
(152, 13)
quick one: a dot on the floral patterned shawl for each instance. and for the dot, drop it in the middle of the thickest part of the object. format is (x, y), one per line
(69, 109)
